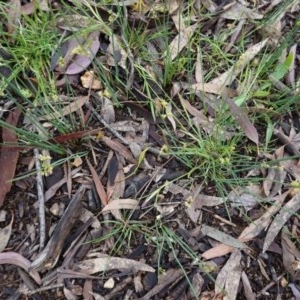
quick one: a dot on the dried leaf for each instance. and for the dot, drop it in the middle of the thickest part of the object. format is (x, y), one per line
(69, 294)
(246, 198)
(289, 253)
(247, 287)
(122, 150)
(14, 258)
(192, 110)
(75, 104)
(107, 110)
(170, 115)
(250, 232)
(217, 251)
(243, 121)
(81, 61)
(180, 41)
(100, 264)
(7, 171)
(229, 76)
(89, 81)
(98, 184)
(205, 200)
(238, 11)
(199, 75)
(5, 234)
(286, 212)
(31, 7)
(119, 185)
(116, 55)
(230, 283)
(191, 210)
(295, 291)
(222, 237)
(257, 226)
(121, 204)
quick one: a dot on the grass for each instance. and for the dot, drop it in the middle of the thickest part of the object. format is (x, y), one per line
(219, 155)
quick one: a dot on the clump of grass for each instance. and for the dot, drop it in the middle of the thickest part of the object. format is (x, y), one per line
(30, 47)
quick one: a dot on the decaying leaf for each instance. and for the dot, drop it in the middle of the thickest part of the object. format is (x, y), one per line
(8, 154)
(290, 254)
(14, 258)
(219, 84)
(84, 55)
(5, 234)
(89, 81)
(230, 283)
(116, 55)
(286, 212)
(243, 121)
(49, 256)
(180, 41)
(247, 287)
(257, 226)
(98, 184)
(122, 150)
(76, 54)
(107, 110)
(170, 116)
(247, 198)
(121, 204)
(239, 11)
(101, 264)
(251, 231)
(222, 237)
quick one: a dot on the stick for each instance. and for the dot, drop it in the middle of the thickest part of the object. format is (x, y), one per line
(41, 198)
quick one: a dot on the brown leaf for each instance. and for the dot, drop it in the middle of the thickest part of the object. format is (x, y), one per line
(247, 287)
(257, 226)
(5, 234)
(14, 258)
(230, 283)
(100, 264)
(286, 212)
(121, 204)
(238, 11)
(116, 146)
(7, 171)
(243, 121)
(217, 251)
(222, 237)
(99, 186)
(226, 78)
(81, 61)
(289, 253)
(180, 41)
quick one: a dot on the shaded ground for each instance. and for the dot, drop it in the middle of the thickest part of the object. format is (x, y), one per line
(168, 152)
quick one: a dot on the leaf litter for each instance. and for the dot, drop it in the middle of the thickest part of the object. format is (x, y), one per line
(150, 227)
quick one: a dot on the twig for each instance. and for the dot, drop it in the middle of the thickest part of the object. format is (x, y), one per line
(45, 288)
(106, 125)
(41, 198)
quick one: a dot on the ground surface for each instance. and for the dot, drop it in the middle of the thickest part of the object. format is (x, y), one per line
(154, 147)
